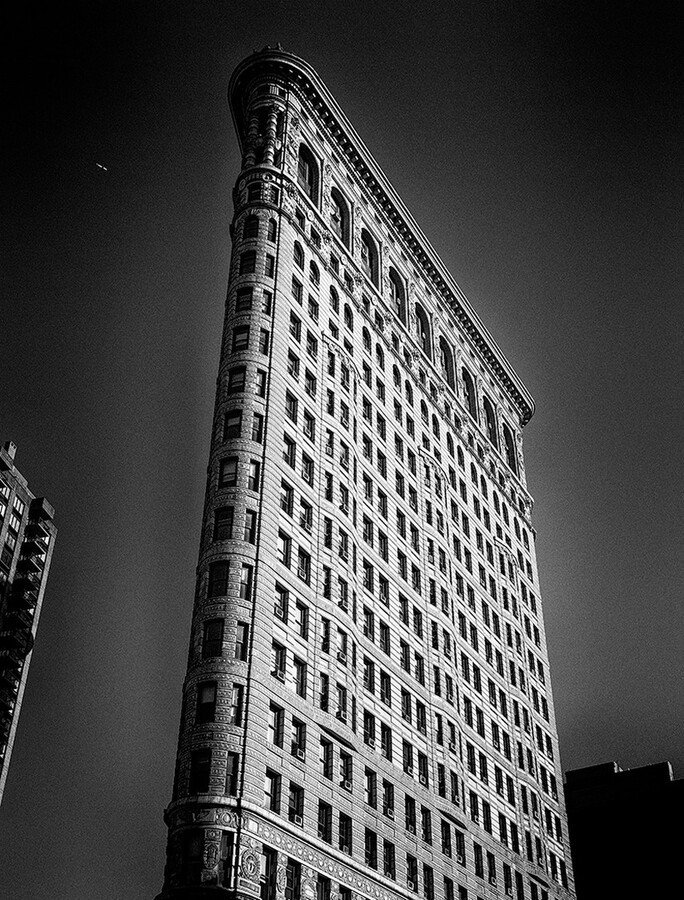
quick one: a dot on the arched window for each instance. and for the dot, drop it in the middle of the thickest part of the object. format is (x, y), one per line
(397, 295)
(307, 173)
(447, 361)
(339, 217)
(366, 339)
(369, 257)
(424, 337)
(490, 421)
(298, 255)
(272, 230)
(251, 228)
(435, 427)
(450, 445)
(509, 442)
(409, 393)
(396, 375)
(469, 392)
(380, 356)
(348, 317)
(483, 486)
(334, 300)
(460, 457)
(314, 274)
(424, 411)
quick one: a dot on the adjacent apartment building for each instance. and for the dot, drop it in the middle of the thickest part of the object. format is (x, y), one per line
(367, 709)
(27, 537)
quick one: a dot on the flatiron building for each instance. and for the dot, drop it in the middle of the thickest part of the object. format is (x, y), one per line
(367, 709)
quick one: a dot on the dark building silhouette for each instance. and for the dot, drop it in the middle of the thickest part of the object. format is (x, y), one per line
(626, 831)
(367, 710)
(27, 536)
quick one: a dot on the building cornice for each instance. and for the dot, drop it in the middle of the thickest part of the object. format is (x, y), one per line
(293, 70)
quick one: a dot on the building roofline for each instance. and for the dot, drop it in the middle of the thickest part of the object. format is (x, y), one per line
(293, 68)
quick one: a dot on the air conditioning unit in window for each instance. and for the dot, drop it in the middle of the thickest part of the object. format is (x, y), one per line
(371, 743)
(452, 746)
(411, 885)
(509, 891)
(423, 779)
(411, 829)
(279, 674)
(298, 821)
(492, 879)
(342, 657)
(300, 754)
(279, 611)
(389, 812)
(409, 770)
(460, 859)
(346, 849)
(341, 715)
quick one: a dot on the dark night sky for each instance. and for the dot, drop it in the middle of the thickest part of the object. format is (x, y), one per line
(538, 145)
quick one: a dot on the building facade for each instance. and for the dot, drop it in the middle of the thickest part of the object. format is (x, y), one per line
(367, 708)
(27, 537)
(626, 831)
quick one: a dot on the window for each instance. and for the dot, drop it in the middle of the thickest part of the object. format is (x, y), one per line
(307, 173)
(284, 548)
(339, 217)
(206, 702)
(241, 641)
(223, 523)
(243, 300)
(250, 526)
(248, 262)
(295, 805)
(300, 677)
(212, 638)
(371, 848)
(276, 724)
(509, 443)
(257, 428)
(200, 766)
(218, 579)
(240, 338)
(469, 392)
(325, 821)
(236, 379)
(232, 774)
(389, 860)
(490, 421)
(397, 295)
(272, 785)
(423, 325)
(369, 257)
(232, 424)
(345, 833)
(447, 362)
